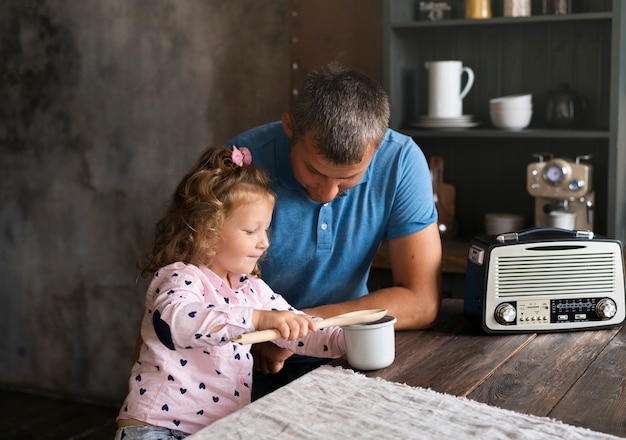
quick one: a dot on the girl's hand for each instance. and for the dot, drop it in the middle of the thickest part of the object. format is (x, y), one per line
(290, 325)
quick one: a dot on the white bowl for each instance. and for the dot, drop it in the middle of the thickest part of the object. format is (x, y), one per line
(521, 99)
(511, 110)
(511, 119)
(508, 105)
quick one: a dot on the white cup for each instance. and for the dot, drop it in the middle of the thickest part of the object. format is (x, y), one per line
(499, 223)
(517, 8)
(562, 219)
(371, 346)
(445, 97)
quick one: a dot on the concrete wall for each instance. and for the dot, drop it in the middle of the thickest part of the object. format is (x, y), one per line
(103, 105)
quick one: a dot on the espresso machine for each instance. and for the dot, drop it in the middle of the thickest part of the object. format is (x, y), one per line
(563, 191)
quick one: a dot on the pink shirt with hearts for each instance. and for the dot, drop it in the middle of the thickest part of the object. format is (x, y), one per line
(185, 377)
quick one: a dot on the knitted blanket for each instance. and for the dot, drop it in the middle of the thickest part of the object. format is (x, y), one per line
(335, 403)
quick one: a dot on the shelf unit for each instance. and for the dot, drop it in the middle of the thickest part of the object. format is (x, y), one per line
(535, 55)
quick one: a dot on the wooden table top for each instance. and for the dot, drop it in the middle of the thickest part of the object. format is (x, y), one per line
(576, 377)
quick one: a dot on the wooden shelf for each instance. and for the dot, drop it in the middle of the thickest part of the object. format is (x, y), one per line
(535, 133)
(454, 256)
(511, 55)
(495, 21)
(519, 134)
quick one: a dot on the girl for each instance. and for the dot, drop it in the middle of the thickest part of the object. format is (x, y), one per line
(205, 292)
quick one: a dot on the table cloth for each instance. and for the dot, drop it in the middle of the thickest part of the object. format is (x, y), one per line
(337, 403)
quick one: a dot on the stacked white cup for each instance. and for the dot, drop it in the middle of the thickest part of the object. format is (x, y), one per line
(512, 112)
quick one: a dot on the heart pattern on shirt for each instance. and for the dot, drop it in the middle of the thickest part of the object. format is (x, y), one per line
(162, 329)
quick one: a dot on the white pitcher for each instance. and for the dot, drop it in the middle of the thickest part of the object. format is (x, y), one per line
(445, 97)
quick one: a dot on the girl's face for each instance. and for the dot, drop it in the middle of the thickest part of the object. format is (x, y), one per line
(244, 238)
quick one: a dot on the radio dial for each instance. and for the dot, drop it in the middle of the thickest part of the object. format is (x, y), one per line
(505, 314)
(606, 308)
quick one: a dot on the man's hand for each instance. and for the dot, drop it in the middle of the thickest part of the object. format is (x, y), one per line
(416, 295)
(269, 358)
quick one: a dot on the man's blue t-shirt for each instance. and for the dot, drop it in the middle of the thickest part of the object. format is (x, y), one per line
(321, 253)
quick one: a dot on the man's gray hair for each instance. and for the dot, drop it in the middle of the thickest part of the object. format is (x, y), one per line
(345, 111)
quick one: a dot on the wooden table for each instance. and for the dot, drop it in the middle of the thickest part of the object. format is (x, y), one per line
(576, 377)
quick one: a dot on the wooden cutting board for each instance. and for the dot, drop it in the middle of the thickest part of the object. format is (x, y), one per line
(445, 194)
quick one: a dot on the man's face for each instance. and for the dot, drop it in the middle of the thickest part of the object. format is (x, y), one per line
(323, 180)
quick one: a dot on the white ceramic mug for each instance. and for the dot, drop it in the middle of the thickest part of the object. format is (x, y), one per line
(371, 346)
(445, 97)
(517, 8)
(499, 223)
(562, 219)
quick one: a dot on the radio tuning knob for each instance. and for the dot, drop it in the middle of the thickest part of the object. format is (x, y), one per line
(505, 314)
(606, 308)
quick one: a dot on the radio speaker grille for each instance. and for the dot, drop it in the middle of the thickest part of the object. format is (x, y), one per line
(554, 273)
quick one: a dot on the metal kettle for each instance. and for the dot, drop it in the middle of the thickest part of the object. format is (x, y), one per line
(565, 108)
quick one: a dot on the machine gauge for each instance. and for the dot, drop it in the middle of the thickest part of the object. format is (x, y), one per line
(555, 172)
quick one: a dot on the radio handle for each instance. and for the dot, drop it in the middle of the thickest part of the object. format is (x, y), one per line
(541, 231)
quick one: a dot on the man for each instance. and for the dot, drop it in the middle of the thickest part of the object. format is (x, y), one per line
(344, 183)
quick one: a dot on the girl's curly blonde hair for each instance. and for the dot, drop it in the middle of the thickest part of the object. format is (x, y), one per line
(191, 227)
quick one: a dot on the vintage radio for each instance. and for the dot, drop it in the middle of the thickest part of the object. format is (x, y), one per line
(544, 280)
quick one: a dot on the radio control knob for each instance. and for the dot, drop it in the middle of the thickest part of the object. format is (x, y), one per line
(606, 308)
(505, 314)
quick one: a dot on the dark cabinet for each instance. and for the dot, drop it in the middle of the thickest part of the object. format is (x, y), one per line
(537, 54)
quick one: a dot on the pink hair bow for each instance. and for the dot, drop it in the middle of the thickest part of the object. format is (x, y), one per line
(241, 156)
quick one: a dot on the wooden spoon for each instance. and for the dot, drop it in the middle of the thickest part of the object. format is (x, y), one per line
(351, 318)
